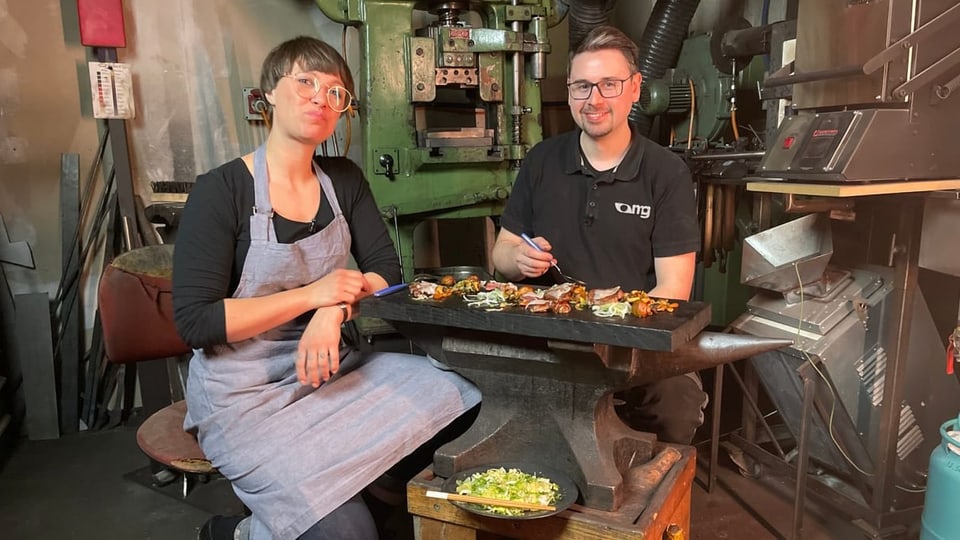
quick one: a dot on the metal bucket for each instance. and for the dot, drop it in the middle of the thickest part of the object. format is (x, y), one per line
(458, 273)
(943, 487)
(786, 256)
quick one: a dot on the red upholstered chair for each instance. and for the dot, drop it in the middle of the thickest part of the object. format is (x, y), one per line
(136, 310)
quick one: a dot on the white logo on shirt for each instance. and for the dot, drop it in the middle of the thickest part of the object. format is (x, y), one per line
(633, 209)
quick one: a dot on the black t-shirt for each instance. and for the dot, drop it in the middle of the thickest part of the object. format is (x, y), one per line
(605, 227)
(214, 237)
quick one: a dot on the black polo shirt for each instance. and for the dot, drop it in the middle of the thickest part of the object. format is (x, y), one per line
(605, 227)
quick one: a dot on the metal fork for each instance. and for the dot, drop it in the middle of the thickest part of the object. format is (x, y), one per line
(556, 267)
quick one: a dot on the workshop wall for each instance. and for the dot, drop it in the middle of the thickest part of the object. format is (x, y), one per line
(192, 60)
(40, 118)
(189, 61)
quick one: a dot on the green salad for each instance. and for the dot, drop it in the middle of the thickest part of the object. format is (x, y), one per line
(512, 485)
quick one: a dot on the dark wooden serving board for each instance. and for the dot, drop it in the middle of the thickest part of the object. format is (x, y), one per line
(658, 332)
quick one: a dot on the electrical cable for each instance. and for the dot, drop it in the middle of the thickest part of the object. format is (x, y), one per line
(733, 123)
(266, 117)
(833, 396)
(755, 134)
(693, 112)
(350, 112)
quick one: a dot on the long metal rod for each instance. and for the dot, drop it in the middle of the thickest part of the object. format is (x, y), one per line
(838, 501)
(121, 165)
(898, 346)
(927, 76)
(715, 427)
(396, 231)
(940, 22)
(727, 155)
(756, 410)
(811, 76)
(944, 90)
(800, 493)
(517, 84)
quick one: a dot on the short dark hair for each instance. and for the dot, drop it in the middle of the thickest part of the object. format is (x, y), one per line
(311, 54)
(606, 37)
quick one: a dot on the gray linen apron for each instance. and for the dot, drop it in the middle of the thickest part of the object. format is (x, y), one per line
(294, 453)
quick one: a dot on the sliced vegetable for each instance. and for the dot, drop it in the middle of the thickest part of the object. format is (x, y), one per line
(512, 485)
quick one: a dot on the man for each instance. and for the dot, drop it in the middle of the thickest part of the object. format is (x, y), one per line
(614, 209)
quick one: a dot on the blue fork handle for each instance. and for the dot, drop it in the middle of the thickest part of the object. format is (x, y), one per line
(530, 241)
(390, 290)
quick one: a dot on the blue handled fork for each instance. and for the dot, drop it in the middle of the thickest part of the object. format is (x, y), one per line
(565, 277)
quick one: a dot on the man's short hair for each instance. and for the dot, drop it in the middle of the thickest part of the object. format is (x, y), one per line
(311, 54)
(605, 37)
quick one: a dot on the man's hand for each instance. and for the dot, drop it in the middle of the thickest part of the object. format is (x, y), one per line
(515, 259)
(318, 355)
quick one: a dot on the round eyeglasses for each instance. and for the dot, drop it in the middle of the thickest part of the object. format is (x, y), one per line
(308, 86)
(608, 88)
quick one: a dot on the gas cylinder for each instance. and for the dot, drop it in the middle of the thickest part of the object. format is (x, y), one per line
(943, 486)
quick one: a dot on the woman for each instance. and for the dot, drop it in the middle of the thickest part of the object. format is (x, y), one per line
(297, 423)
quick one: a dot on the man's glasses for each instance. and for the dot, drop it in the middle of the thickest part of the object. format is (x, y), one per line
(308, 86)
(608, 88)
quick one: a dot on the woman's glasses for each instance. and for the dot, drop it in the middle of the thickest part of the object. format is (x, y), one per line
(308, 86)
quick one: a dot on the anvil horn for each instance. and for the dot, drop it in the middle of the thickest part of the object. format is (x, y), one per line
(706, 350)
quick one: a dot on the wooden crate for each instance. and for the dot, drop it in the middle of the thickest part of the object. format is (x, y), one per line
(669, 504)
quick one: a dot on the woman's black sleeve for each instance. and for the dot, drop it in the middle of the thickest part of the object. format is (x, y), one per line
(203, 259)
(371, 245)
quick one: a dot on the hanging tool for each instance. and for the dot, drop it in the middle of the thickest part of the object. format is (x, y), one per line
(718, 196)
(729, 224)
(708, 227)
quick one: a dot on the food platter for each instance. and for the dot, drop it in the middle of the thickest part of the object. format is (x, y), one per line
(662, 332)
(567, 495)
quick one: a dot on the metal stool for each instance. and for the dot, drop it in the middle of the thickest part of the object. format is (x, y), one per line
(162, 438)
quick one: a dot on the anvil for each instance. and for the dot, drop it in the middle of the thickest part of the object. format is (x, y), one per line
(548, 381)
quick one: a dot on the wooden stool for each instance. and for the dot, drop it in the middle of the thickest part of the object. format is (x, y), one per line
(661, 513)
(163, 439)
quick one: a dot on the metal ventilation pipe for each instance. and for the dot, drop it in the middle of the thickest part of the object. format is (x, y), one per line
(659, 45)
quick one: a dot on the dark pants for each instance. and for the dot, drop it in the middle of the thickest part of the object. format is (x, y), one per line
(350, 521)
(672, 408)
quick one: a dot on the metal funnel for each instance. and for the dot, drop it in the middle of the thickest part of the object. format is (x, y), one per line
(774, 258)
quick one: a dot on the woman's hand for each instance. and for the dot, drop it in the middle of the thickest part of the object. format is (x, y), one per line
(318, 355)
(341, 285)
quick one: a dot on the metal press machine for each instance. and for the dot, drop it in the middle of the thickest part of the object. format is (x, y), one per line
(448, 109)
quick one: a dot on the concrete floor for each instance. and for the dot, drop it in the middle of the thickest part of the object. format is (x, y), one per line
(89, 486)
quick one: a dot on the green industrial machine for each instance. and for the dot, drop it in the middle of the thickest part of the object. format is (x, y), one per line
(448, 111)
(702, 89)
(699, 82)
